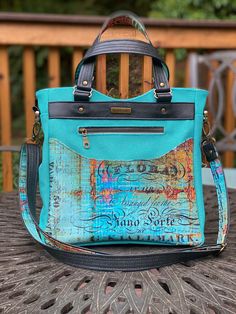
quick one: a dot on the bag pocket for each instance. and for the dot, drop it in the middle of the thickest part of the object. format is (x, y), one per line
(99, 201)
(86, 131)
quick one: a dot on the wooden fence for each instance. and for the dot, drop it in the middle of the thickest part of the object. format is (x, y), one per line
(56, 31)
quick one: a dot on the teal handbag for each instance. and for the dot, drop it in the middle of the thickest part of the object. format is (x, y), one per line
(120, 171)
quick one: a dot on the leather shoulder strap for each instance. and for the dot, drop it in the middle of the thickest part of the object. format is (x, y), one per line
(86, 258)
(125, 18)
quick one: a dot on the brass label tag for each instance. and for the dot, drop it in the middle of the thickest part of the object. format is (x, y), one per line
(124, 110)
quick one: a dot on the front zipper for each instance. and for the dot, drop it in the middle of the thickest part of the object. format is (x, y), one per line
(109, 130)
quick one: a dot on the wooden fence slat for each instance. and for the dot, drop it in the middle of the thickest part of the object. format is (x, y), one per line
(229, 116)
(147, 74)
(101, 74)
(5, 108)
(29, 87)
(54, 67)
(76, 58)
(214, 65)
(124, 76)
(170, 61)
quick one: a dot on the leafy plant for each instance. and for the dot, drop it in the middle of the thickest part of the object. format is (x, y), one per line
(194, 9)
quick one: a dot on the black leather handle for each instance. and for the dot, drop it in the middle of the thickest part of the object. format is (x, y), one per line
(123, 46)
(119, 46)
(85, 69)
(125, 18)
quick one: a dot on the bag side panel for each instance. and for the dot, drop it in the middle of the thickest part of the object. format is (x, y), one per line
(43, 97)
(200, 102)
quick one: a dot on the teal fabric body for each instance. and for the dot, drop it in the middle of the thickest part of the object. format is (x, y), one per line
(62, 134)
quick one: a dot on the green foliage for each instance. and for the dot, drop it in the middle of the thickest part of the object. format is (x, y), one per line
(80, 7)
(194, 9)
(190, 9)
(15, 54)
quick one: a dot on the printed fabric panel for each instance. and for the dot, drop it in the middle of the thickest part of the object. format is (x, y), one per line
(95, 201)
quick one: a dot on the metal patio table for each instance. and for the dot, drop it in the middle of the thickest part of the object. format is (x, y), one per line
(31, 281)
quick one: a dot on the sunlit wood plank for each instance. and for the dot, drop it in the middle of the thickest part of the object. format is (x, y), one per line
(5, 108)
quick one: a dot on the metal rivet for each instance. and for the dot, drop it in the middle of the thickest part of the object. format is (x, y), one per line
(163, 110)
(162, 84)
(81, 109)
(36, 113)
(85, 83)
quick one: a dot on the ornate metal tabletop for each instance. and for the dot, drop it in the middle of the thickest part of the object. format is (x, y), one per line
(31, 281)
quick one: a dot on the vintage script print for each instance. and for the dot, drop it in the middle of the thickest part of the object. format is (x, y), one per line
(139, 200)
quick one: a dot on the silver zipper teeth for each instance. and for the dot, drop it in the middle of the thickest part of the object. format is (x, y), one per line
(103, 130)
(121, 130)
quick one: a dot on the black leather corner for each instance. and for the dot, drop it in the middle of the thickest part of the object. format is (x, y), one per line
(209, 150)
(102, 110)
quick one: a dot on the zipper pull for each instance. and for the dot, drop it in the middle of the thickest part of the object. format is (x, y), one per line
(84, 133)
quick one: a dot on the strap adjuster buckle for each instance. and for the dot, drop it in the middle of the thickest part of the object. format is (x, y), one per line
(223, 246)
(82, 93)
(163, 96)
(209, 149)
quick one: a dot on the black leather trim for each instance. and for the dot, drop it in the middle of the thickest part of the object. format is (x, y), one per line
(102, 110)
